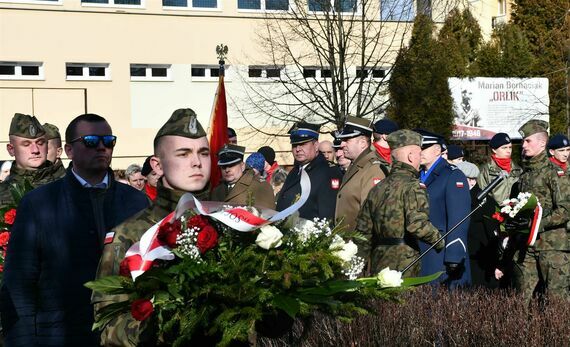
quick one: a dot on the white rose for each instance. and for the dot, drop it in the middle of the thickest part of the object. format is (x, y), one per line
(269, 237)
(389, 278)
(348, 250)
(337, 243)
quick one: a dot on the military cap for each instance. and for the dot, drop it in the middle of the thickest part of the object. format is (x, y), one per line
(429, 139)
(230, 154)
(355, 126)
(404, 137)
(231, 133)
(183, 122)
(303, 132)
(500, 139)
(146, 168)
(336, 143)
(52, 132)
(385, 126)
(27, 126)
(532, 127)
(454, 152)
(558, 141)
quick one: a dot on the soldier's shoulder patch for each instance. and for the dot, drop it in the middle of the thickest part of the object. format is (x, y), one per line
(560, 173)
(335, 183)
(375, 161)
(459, 184)
(376, 180)
(453, 167)
(109, 237)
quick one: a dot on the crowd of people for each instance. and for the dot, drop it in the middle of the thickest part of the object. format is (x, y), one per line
(403, 190)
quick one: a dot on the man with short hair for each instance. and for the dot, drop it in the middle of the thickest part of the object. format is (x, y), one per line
(325, 177)
(135, 177)
(362, 175)
(326, 149)
(182, 159)
(239, 183)
(395, 214)
(544, 266)
(382, 129)
(449, 203)
(342, 162)
(57, 240)
(54, 147)
(28, 146)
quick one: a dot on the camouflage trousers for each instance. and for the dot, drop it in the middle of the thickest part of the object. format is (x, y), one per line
(544, 272)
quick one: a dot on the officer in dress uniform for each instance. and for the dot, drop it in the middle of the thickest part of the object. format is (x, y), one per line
(325, 177)
(240, 184)
(362, 175)
(449, 203)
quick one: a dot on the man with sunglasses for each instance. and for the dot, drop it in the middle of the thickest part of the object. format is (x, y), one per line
(57, 240)
(182, 159)
(29, 146)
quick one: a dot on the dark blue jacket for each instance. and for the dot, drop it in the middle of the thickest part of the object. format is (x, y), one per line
(55, 246)
(325, 181)
(449, 202)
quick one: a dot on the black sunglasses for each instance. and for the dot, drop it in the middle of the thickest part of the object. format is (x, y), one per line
(92, 141)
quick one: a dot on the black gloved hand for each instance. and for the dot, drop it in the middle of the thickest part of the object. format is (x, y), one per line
(454, 270)
(517, 224)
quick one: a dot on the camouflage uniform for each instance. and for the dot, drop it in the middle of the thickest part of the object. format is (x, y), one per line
(489, 171)
(395, 215)
(547, 263)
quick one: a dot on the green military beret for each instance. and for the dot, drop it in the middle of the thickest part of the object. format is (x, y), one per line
(52, 132)
(532, 127)
(404, 137)
(27, 126)
(183, 122)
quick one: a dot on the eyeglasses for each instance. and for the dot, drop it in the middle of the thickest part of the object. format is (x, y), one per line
(92, 141)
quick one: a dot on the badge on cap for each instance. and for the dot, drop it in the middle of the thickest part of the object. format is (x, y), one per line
(335, 183)
(32, 130)
(459, 184)
(192, 127)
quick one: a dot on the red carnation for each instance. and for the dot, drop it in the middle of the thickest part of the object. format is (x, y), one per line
(124, 269)
(141, 309)
(1, 267)
(4, 237)
(498, 216)
(168, 232)
(198, 221)
(10, 216)
(207, 239)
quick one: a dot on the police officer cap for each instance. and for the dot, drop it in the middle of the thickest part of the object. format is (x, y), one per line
(303, 132)
(385, 126)
(355, 126)
(532, 127)
(336, 143)
(558, 141)
(230, 154)
(470, 170)
(404, 137)
(231, 133)
(500, 139)
(454, 152)
(146, 168)
(183, 122)
(27, 126)
(429, 139)
(52, 132)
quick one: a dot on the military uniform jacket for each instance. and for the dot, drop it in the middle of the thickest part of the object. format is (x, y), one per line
(55, 246)
(449, 203)
(541, 178)
(489, 171)
(247, 187)
(325, 181)
(362, 175)
(396, 208)
(124, 330)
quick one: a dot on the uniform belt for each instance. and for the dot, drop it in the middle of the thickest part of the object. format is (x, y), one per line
(391, 241)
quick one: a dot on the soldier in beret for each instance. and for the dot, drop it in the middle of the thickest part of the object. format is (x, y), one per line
(240, 184)
(54, 147)
(28, 145)
(500, 160)
(182, 159)
(325, 177)
(382, 129)
(559, 150)
(395, 213)
(363, 174)
(546, 265)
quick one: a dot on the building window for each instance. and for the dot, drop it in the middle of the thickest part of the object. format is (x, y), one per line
(44, 2)
(81, 71)
(142, 72)
(269, 5)
(397, 10)
(367, 72)
(327, 5)
(21, 71)
(191, 3)
(264, 72)
(502, 7)
(113, 2)
(316, 72)
(206, 72)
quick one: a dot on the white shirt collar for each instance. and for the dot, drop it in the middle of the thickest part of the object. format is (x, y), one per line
(101, 185)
